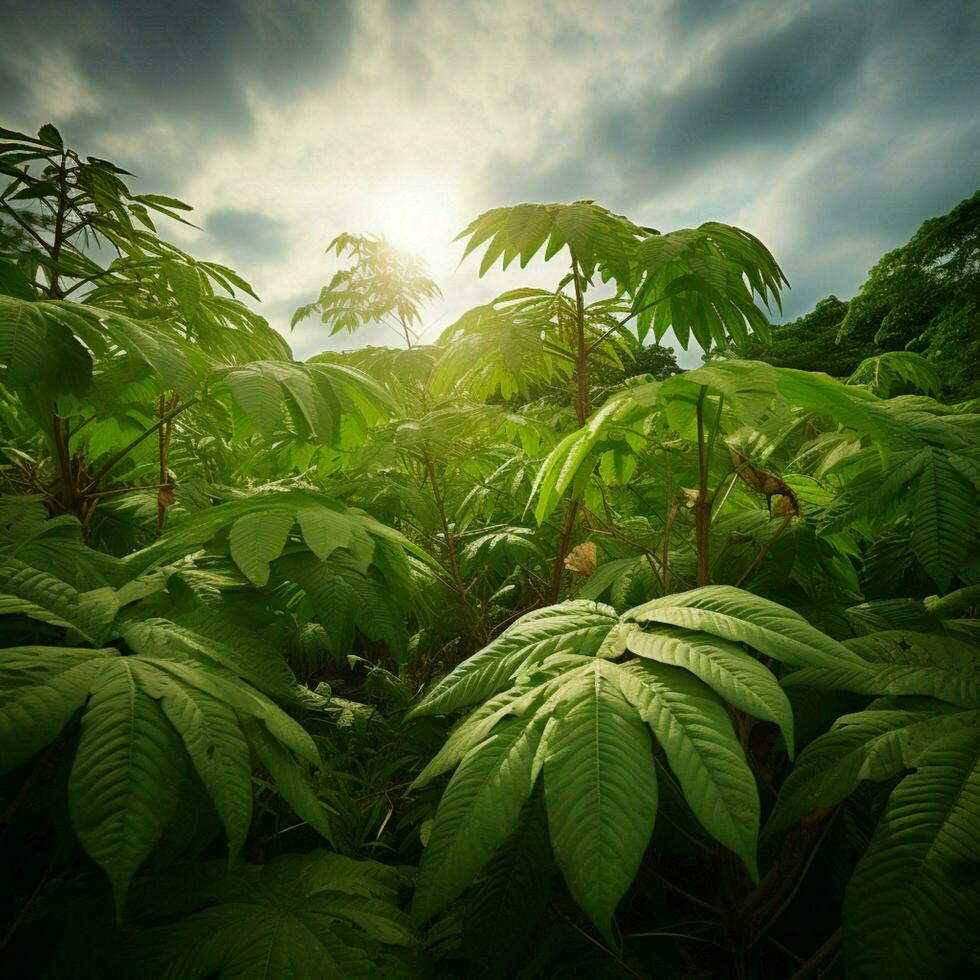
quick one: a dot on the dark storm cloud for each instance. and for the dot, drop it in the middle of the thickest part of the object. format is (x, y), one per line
(247, 236)
(760, 91)
(857, 84)
(763, 90)
(188, 62)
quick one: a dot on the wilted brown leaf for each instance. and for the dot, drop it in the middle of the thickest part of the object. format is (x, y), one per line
(582, 559)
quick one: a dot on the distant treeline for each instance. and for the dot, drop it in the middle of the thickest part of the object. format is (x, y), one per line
(922, 297)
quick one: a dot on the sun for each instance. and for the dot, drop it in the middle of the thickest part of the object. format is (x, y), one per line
(417, 213)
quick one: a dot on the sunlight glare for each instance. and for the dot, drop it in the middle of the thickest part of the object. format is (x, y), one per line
(418, 213)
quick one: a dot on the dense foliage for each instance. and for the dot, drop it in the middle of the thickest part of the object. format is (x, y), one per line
(921, 297)
(522, 653)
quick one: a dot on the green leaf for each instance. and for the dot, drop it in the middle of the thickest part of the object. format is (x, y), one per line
(601, 791)
(876, 744)
(123, 784)
(577, 626)
(292, 782)
(43, 688)
(725, 667)
(478, 812)
(14, 283)
(902, 662)
(733, 614)
(324, 530)
(300, 916)
(257, 539)
(503, 908)
(42, 596)
(696, 733)
(912, 908)
(944, 519)
(213, 739)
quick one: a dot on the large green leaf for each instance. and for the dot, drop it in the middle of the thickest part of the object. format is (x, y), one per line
(696, 733)
(40, 595)
(478, 812)
(736, 615)
(597, 238)
(212, 736)
(725, 667)
(42, 688)
(145, 721)
(257, 539)
(944, 519)
(601, 791)
(913, 906)
(577, 626)
(878, 743)
(903, 662)
(503, 909)
(291, 779)
(314, 916)
(123, 783)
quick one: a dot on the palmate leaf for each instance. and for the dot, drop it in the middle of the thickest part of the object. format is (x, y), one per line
(557, 680)
(300, 917)
(739, 616)
(144, 722)
(497, 350)
(35, 593)
(703, 282)
(599, 239)
(326, 526)
(881, 372)
(882, 741)
(912, 908)
(579, 627)
(318, 402)
(47, 344)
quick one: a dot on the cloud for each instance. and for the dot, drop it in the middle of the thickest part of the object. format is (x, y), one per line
(247, 236)
(184, 72)
(830, 128)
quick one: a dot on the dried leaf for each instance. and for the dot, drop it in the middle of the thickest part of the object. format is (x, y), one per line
(582, 559)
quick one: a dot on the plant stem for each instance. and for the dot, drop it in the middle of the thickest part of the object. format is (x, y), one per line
(164, 451)
(582, 411)
(64, 462)
(459, 586)
(818, 957)
(702, 506)
(126, 450)
(582, 407)
(763, 551)
(564, 539)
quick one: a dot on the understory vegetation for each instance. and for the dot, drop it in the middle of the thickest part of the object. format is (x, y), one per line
(522, 653)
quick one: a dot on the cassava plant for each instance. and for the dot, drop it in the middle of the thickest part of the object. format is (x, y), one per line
(492, 656)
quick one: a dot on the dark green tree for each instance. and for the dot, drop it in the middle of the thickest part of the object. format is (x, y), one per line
(810, 343)
(924, 297)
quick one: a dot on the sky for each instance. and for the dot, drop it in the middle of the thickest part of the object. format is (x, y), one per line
(831, 129)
